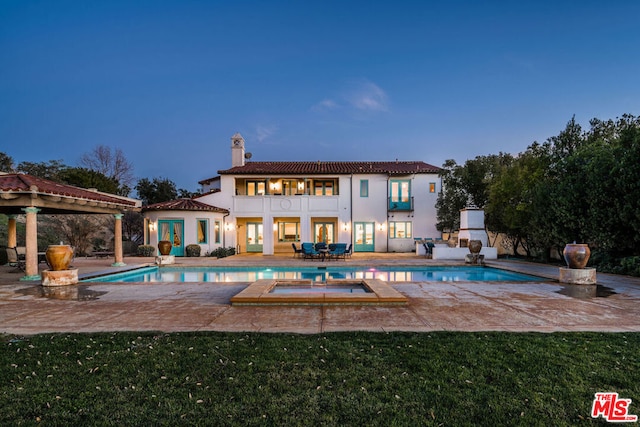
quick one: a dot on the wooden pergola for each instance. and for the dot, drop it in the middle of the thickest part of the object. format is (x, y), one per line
(30, 195)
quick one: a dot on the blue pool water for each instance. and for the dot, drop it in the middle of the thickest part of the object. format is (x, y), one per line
(316, 274)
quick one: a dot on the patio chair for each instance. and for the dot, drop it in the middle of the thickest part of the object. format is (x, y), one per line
(338, 250)
(309, 251)
(15, 259)
(347, 252)
(297, 252)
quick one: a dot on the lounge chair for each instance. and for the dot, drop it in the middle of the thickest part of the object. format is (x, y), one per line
(297, 252)
(309, 251)
(15, 259)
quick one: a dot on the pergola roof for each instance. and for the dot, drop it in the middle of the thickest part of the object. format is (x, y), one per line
(18, 191)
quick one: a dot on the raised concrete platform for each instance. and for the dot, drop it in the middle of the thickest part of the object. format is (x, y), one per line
(60, 278)
(165, 260)
(578, 276)
(260, 293)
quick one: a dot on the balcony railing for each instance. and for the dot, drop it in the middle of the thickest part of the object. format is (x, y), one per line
(400, 205)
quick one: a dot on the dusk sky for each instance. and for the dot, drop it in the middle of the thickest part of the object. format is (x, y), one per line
(169, 82)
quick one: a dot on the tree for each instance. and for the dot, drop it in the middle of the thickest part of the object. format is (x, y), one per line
(477, 175)
(112, 164)
(511, 196)
(451, 199)
(79, 231)
(86, 178)
(156, 191)
(6, 162)
(50, 170)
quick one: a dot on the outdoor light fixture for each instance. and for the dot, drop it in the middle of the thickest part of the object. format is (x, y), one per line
(380, 227)
(345, 226)
(300, 185)
(152, 226)
(229, 226)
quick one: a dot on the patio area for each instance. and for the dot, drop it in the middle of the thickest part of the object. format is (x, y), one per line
(545, 306)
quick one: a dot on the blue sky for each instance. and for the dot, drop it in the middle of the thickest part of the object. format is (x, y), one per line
(169, 82)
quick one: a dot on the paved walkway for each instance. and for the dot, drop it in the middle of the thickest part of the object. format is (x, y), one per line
(28, 308)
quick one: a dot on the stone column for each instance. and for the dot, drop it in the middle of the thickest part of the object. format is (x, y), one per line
(12, 238)
(117, 243)
(31, 251)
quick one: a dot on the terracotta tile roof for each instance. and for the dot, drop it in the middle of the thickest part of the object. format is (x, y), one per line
(23, 183)
(333, 168)
(183, 205)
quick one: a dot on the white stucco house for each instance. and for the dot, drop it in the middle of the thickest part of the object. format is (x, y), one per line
(266, 206)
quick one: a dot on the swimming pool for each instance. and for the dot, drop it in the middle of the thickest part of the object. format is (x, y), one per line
(316, 274)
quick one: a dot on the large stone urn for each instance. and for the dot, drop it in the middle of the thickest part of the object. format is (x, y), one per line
(59, 257)
(475, 246)
(164, 246)
(576, 255)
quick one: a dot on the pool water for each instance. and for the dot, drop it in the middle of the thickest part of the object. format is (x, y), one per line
(319, 289)
(316, 274)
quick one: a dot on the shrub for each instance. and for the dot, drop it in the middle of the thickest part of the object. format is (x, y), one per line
(193, 250)
(146, 250)
(222, 252)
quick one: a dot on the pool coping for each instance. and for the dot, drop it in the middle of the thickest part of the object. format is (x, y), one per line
(259, 293)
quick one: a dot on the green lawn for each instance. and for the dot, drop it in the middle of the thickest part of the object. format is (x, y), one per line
(352, 378)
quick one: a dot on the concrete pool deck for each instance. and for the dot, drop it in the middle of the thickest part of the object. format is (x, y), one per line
(28, 308)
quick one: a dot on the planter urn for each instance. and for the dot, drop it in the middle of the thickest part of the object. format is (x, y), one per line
(576, 255)
(475, 246)
(164, 246)
(59, 257)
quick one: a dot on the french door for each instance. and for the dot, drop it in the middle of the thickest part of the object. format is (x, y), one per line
(173, 231)
(254, 236)
(323, 232)
(364, 233)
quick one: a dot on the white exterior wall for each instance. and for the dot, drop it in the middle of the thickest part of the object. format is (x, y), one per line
(347, 207)
(190, 219)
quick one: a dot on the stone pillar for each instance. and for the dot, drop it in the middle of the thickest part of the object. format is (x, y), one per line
(31, 251)
(117, 243)
(12, 238)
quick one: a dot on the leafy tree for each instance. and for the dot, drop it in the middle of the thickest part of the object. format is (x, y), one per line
(156, 191)
(477, 175)
(51, 169)
(6, 162)
(87, 178)
(451, 199)
(512, 194)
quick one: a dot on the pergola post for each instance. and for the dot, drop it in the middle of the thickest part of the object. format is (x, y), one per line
(12, 237)
(117, 242)
(31, 244)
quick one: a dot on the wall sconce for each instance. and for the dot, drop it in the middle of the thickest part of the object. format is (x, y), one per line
(381, 227)
(345, 226)
(229, 226)
(300, 185)
(275, 226)
(152, 226)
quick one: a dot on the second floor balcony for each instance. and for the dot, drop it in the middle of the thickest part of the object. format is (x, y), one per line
(396, 204)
